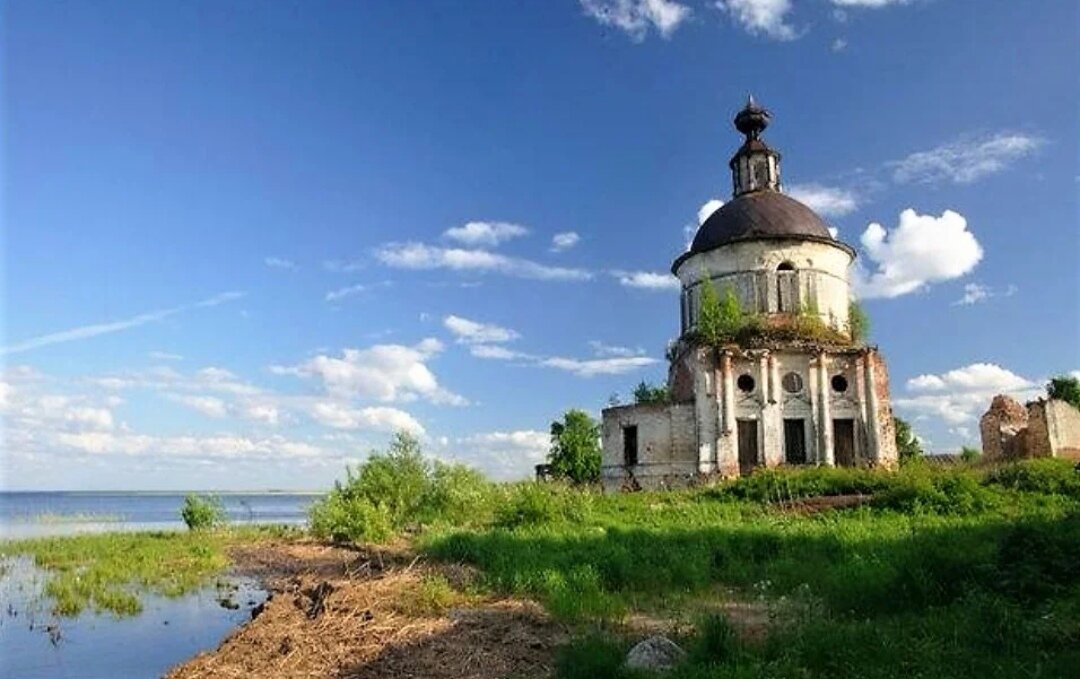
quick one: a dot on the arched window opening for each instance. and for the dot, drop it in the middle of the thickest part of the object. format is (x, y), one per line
(786, 288)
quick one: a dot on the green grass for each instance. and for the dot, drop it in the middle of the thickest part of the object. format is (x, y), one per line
(110, 571)
(954, 572)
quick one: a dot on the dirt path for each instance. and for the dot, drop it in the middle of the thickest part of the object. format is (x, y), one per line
(337, 613)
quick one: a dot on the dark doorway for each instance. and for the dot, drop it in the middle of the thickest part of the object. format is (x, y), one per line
(629, 445)
(748, 447)
(843, 434)
(795, 441)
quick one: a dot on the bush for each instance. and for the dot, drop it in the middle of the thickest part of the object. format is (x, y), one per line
(921, 489)
(782, 484)
(400, 489)
(1049, 476)
(202, 512)
(534, 504)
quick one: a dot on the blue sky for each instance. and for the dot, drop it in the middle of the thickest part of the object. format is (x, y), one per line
(244, 242)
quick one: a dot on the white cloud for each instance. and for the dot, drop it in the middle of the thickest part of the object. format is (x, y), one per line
(502, 455)
(92, 418)
(706, 210)
(838, 45)
(87, 331)
(637, 17)
(564, 241)
(347, 291)
(338, 415)
(922, 250)
(767, 17)
(384, 372)
(419, 256)
(164, 356)
(472, 332)
(497, 352)
(485, 234)
(603, 350)
(228, 446)
(827, 201)
(974, 377)
(961, 395)
(280, 263)
(965, 160)
(598, 366)
(647, 280)
(976, 293)
(211, 406)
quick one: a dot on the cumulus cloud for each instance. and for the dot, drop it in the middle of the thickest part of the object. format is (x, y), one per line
(211, 406)
(921, 250)
(961, 395)
(88, 331)
(706, 210)
(418, 256)
(473, 332)
(647, 280)
(827, 201)
(339, 415)
(502, 455)
(497, 352)
(966, 160)
(637, 17)
(280, 263)
(485, 234)
(564, 241)
(761, 17)
(384, 372)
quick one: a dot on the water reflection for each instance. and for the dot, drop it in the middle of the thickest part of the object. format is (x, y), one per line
(35, 644)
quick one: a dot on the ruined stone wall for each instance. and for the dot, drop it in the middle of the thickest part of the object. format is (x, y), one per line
(666, 446)
(1000, 426)
(887, 455)
(1053, 430)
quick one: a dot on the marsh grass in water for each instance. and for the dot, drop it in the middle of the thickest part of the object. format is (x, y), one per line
(109, 572)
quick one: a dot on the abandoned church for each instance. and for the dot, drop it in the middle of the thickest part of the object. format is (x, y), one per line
(782, 377)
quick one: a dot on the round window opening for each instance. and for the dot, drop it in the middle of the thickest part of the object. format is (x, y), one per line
(792, 383)
(839, 383)
(745, 383)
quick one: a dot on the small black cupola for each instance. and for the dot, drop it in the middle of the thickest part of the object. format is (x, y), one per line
(755, 166)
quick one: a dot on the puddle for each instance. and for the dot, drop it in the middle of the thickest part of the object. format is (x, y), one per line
(35, 644)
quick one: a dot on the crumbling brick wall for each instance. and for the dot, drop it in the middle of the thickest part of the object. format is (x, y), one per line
(1044, 428)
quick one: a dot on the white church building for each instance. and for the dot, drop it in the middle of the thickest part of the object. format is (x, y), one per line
(774, 394)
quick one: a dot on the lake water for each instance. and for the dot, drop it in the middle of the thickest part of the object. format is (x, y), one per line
(35, 644)
(33, 514)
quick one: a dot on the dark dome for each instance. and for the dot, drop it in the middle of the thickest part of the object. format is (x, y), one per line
(760, 214)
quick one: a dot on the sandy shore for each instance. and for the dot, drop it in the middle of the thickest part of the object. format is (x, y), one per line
(367, 613)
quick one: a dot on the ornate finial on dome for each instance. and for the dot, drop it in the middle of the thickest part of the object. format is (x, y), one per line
(752, 120)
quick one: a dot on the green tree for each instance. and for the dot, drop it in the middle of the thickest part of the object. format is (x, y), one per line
(907, 444)
(202, 512)
(1065, 388)
(575, 447)
(858, 322)
(647, 393)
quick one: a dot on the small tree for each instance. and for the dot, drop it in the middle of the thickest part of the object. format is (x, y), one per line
(858, 322)
(1065, 388)
(202, 512)
(969, 454)
(731, 313)
(907, 444)
(575, 447)
(710, 324)
(647, 393)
